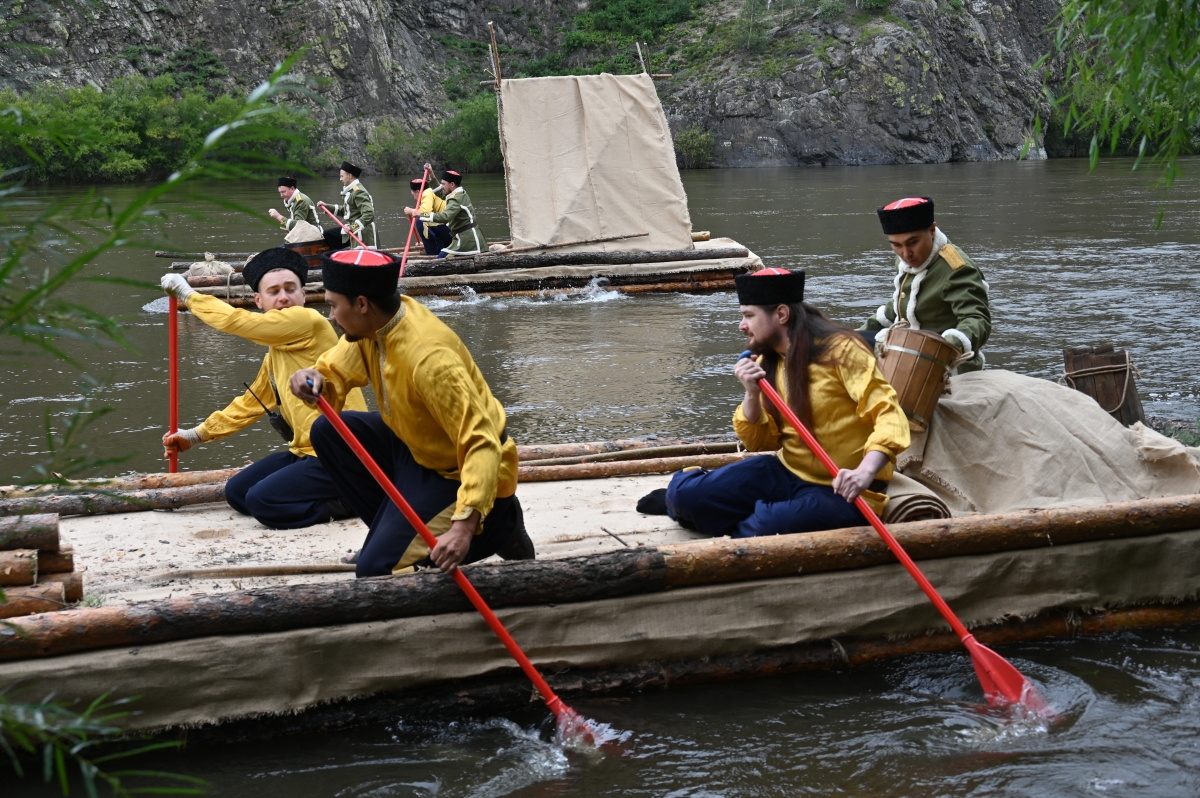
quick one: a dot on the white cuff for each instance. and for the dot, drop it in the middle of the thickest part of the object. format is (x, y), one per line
(960, 337)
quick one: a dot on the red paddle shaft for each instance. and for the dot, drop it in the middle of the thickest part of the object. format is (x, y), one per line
(556, 705)
(173, 376)
(1002, 683)
(342, 225)
(412, 226)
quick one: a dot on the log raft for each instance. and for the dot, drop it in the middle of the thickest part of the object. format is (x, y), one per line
(37, 571)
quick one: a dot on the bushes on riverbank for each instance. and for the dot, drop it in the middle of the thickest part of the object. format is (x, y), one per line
(469, 140)
(137, 129)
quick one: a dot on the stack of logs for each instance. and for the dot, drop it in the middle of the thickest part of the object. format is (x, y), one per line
(37, 568)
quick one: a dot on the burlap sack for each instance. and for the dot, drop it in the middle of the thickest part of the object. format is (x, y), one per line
(209, 267)
(303, 233)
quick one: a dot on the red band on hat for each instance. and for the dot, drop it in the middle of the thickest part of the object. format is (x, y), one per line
(907, 202)
(361, 257)
(770, 270)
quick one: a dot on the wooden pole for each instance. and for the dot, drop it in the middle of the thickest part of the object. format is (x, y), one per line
(656, 465)
(304, 606)
(135, 482)
(131, 501)
(198, 256)
(725, 560)
(580, 243)
(250, 571)
(18, 567)
(34, 598)
(638, 45)
(548, 450)
(495, 56)
(498, 261)
(30, 532)
(683, 450)
(71, 581)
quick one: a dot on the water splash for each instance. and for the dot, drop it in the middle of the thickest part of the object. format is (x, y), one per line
(160, 305)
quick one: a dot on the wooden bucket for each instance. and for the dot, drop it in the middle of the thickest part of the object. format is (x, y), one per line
(311, 250)
(1106, 375)
(917, 363)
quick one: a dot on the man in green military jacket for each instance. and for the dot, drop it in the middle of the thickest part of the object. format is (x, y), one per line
(356, 209)
(458, 215)
(297, 204)
(937, 287)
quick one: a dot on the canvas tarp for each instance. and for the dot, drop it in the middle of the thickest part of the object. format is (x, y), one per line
(220, 678)
(1002, 441)
(590, 156)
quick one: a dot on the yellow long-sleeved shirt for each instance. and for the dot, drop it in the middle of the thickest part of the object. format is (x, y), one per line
(295, 338)
(854, 410)
(432, 395)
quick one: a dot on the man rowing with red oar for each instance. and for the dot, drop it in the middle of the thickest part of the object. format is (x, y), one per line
(829, 377)
(440, 433)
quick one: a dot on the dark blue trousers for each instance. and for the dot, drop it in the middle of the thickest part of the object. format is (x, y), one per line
(439, 238)
(754, 497)
(392, 544)
(282, 491)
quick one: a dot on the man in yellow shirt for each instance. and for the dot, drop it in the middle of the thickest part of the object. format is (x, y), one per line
(828, 376)
(284, 490)
(434, 237)
(440, 433)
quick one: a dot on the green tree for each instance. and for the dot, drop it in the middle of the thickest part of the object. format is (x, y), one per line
(1132, 75)
(470, 139)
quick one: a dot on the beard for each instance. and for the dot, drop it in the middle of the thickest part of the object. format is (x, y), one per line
(762, 347)
(353, 338)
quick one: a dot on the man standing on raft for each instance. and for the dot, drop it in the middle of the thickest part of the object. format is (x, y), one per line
(440, 433)
(285, 490)
(937, 287)
(356, 210)
(458, 215)
(829, 378)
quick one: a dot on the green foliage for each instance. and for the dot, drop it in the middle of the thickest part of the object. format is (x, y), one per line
(694, 148)
(195, 67)
(830, 9)
(1132, 74)
(752, 26)
(470, 139)
(394, 150)
(139, 128)
(872, 5)
(63, 741)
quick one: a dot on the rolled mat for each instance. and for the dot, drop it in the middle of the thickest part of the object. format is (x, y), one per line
(909, 500)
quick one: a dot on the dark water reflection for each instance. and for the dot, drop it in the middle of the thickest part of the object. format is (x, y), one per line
(1072, 259)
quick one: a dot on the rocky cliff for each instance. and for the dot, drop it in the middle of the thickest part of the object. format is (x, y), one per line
(921, 81)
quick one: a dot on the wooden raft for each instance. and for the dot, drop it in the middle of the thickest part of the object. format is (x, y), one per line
(37, 570)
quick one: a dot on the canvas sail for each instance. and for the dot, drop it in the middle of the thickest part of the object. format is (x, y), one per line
(590, 156)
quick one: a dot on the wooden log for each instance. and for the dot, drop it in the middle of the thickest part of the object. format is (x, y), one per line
(725, 560)
(498, 261)
(30, 532)
(18, 567)
(129, 501)
(611, 575)
(195, 256)
(72, 584)
(540, 247)
(1106, 375)
(681, 450)
(655, 465)
(548, 450)
(56, 562)
(701, 235)
(34, 598)
(250, 571)
(135, 482)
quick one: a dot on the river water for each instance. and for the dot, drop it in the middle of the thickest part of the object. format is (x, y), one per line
(1072, 258)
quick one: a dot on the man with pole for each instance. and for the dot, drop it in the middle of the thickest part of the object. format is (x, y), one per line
(458, 214)
(356, 209)
(434, 237)
(937, 287)
(289, 489)
(296, 203)
(439, 434)
(830, 378)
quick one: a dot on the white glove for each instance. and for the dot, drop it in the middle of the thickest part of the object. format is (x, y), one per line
(176, 286)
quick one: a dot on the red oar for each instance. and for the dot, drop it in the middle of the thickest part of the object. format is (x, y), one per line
(412, 226)
(1002, 683)
(570, 723)
(342, 225)
(173, 376)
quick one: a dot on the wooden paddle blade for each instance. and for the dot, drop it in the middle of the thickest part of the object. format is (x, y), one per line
(1002, 683)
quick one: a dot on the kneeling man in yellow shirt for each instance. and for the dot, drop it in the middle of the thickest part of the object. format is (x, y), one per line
(440, 433)
(828, 376)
